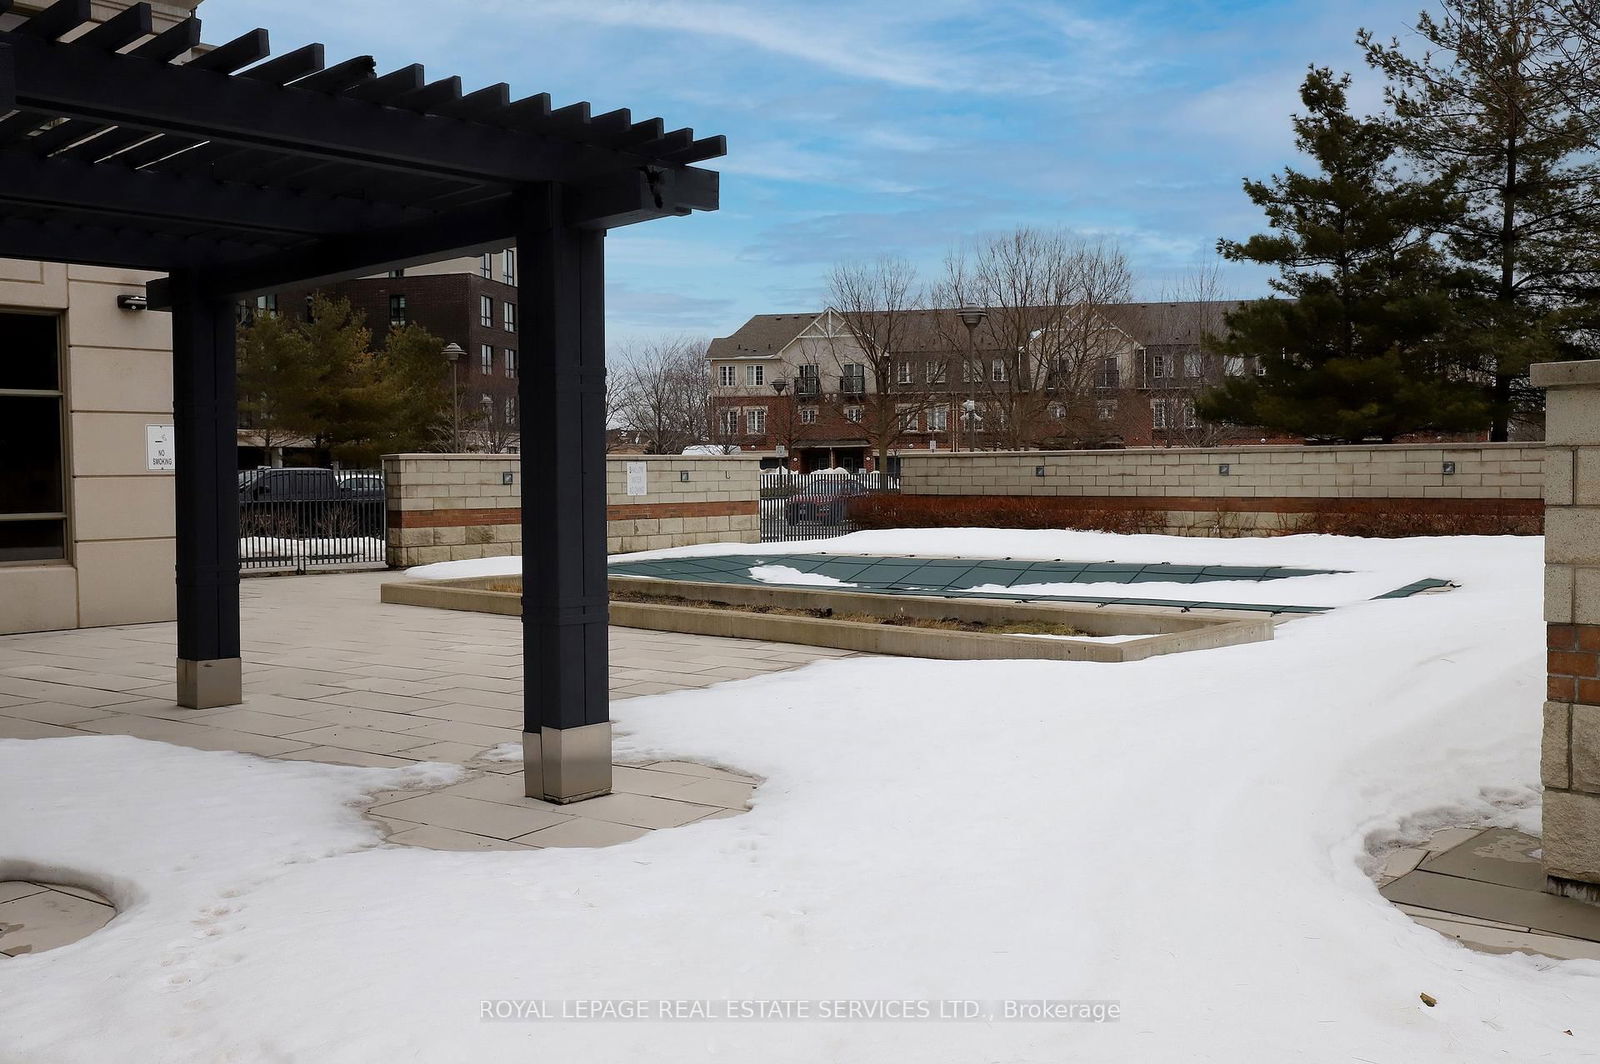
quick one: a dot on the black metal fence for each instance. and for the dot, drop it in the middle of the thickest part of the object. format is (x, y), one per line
(814, 505)
(305, 519)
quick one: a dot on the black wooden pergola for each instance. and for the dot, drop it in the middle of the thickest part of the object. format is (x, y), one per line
(236, 173)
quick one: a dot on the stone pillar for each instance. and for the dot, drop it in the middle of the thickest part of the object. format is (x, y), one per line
(1571, 762)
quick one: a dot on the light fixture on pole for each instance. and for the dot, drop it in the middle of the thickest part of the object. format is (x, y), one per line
(779, 384)
(453, 354)
(971, 316)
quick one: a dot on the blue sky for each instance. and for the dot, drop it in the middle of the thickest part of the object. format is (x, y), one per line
(874, 127)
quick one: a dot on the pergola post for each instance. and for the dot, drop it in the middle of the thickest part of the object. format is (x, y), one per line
(206, 473)
(561, 394)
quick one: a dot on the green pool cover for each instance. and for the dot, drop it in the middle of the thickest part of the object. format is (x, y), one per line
(958, 576)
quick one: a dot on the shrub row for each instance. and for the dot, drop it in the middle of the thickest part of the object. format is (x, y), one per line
(1002, 511)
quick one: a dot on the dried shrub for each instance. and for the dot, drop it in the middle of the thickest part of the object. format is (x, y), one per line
(1399, 524)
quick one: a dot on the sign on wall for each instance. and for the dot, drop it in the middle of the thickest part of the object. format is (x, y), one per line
(638, 478)
(159, 456)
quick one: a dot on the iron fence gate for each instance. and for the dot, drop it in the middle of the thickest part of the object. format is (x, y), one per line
(815, 505)
(304, 519)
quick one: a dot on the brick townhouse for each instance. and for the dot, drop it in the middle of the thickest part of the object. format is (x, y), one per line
(801, 385)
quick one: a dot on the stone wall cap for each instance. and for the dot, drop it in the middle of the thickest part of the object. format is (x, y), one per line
(1566, 374)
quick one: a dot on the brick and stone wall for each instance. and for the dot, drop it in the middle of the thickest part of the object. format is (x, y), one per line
(1249, 489)
(1571, 762)
(450, 507)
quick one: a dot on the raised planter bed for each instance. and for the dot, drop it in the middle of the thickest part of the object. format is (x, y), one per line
(703, 609)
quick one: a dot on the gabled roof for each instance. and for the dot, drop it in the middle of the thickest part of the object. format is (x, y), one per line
(1171, 324)
(1149, 324)
(763, 336)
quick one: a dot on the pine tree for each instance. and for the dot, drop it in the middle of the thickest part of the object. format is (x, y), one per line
(1489, 110)
(1352, 353)
(319, 380)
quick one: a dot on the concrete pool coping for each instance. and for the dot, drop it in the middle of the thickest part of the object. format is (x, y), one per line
(1164, 630)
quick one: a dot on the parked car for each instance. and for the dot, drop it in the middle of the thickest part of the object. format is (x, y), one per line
(824, 499)
(310, 502)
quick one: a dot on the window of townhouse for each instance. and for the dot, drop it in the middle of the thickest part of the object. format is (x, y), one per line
(936, 371)
(810, 380)
(808, 415)
(852, 414)
(998, 371)
(727, 376)
(755, 420)
(755, 376)
(939, 419)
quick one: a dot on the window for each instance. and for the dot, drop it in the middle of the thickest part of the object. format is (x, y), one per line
(852, 414)
(1106, 409)
(33, 519)
(397, 273)
(1191, 420)
(1233, 366)
(1158, 413)
(808, 415)
(1158, 366)
(311, 308)
(267, 303)
(1193, 364)
(486, 312)
(486, 265)
(1058, 411)
(854, 379)
(397, 311)
(935, 372)
(508, 266)
(485, 359)
(755, 376)
(727, 376)
(1107, 374)
(511, 410)
(998, 371)
(511, 363)
(938, 418)
(755, 420)
(511, 317)
(908, 417)
(971, 371)
(902, 372)
(810, 382)
(730, 422)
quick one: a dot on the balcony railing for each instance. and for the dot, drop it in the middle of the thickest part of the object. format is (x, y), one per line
(806, 386)
(853, 385)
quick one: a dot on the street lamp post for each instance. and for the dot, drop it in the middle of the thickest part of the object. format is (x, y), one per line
(779, 384)
(453, 354)
(972, 316)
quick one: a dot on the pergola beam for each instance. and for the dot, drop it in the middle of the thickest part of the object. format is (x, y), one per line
(621, 199)
(122, 90)
(135, 196)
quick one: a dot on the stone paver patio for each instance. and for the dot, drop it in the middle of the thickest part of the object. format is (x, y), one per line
(331, 674)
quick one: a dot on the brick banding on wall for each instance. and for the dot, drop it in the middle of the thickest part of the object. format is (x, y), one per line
(510, 516)
(453, 507)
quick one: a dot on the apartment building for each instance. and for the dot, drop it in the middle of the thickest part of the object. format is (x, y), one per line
(468, 302)
(804, 386)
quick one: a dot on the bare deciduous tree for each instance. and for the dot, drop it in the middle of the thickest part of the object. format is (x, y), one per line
(661, 393)
(1043, 341)
(877, 301)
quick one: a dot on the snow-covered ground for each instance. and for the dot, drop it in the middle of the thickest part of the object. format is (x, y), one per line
(1184, 835)
(326, 547)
